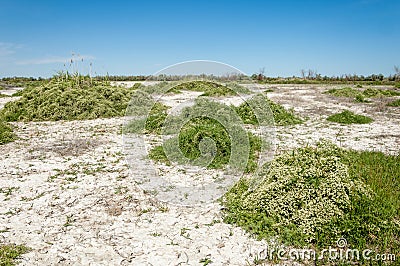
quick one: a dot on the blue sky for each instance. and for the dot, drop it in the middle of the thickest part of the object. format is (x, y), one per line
(142, 37)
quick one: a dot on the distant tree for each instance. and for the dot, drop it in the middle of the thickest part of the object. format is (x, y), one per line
(261, 74)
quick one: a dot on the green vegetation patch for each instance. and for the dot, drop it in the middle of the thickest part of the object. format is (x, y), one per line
(348, 117)
(208, 134)
(282, 117)
(192, 141)
(344, 92)
(395, 103)
(211, 88)
(3, 95)
(360, 95)
(6, 133)
(9, 253)
(67, 100)
(313, 196)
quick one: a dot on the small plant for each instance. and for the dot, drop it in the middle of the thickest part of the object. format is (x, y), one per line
(344, 92)
(69, 221)
(371, 92)
(9, 253)
(395, 103)
(360, 94)
(360, 99)
(348, 117)
(157, 154)
(68, 100)
(7, 191)
(185, 233)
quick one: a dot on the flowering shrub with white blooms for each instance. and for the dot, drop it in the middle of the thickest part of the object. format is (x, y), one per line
(303, 189)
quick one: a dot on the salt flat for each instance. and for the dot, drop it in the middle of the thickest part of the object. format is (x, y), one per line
(73, 199)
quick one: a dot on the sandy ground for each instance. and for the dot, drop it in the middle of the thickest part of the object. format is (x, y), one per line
(68, 193)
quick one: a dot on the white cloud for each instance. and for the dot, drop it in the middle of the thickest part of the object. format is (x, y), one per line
(54, 59)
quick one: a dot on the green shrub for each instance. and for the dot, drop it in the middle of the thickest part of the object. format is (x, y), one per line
(200, 129)
(9, 253)
(371, 92)
(282, 117)
(3, 95)
(348, 117)
(357, 94)
(302, 191)
(66, 100)
(157, 154)
(395, 103)
(211, 88)
(6, 133)
(360, 98)
(344, 92)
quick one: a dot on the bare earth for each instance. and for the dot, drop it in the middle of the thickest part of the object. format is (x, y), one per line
(67, 192)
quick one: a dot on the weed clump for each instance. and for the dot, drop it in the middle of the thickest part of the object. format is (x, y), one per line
(150, 124)
(192, 140)
(66, 100)
(6, 133)
(9, 253)
(360, 95)
(372, 92)
(395, 103)
(211, 89)
(282, 117)
(348, 117)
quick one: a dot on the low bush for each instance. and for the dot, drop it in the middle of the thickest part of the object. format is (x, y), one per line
(211, 88)
(282, 117)
(361, 99)
(395, 103)
(344, 92)
(66, 100)
(348, 117)
(313, 196)
(372, 92)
